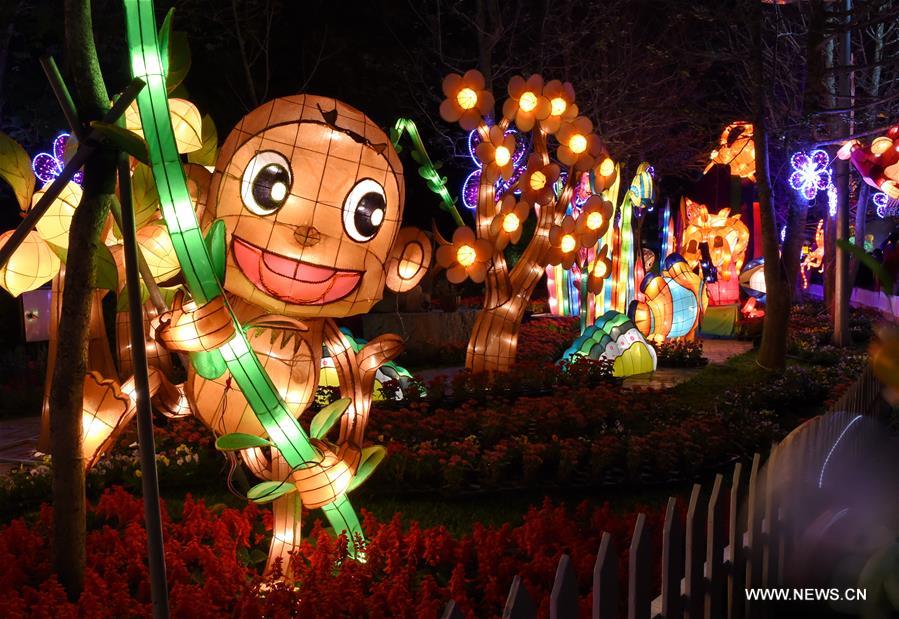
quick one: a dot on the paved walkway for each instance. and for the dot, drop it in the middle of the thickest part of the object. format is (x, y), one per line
(18, 438)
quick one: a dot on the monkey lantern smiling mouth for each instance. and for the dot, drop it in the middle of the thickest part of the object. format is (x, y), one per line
(290, 279)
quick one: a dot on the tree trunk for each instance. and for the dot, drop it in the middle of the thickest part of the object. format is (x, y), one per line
(861, 224)
(71, 355)
(792, 247)
(773, 349)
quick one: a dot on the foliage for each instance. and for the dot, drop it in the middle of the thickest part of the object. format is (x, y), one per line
(213, 558)
(680, 353)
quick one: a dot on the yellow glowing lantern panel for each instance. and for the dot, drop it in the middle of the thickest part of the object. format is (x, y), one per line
(158, 251)
(54, 225)
(186, 123)
(31, 266)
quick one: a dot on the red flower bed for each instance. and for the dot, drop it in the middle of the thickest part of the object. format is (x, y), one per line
(410, 572)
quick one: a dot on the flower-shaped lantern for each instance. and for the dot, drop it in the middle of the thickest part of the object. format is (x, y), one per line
(810, 173)
(47, 166)
(516, 160)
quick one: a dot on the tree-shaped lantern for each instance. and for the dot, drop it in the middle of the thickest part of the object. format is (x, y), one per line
(541, 110)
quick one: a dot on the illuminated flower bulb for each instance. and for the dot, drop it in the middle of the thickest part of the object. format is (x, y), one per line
(568, 243)
(32, 265)
(511, 222)
(502, 156)
(558, 106)
(158, 251)
(881, 145)
(528, 102)
(594, 221)
(607, 167)
(577, 143)
(467, 98)
(466, 255)
(54, 225)
(537, 181)
(506, 225)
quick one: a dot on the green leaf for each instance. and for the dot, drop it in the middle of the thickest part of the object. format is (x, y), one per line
(128, 141)
(179, 60)
(122, 300)
(371, 458)
(209, 365)
(215, 243)
(15, 169)
(880, 272)
(209, 151)
(326, 417)
(106, 275)
(239, 440)
(268, 491)
(165, 33)
(61, 252)
(418, 158)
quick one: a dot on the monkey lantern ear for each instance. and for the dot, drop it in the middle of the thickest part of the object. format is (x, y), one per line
(409, 260)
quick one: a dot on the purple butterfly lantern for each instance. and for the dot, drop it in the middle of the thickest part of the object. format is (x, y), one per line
(48, 166)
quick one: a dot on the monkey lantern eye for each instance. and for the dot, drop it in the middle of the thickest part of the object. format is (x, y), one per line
(364, 209)
(266, 182)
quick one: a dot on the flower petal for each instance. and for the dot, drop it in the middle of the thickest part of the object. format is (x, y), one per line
(456, 274)
(474, 79)
(450, 111)
(477, 272)
(452, 84)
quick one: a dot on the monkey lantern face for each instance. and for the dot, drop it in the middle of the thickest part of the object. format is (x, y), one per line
(311, 194)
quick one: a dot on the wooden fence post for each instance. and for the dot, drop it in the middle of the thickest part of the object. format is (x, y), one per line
(519, 604)
(715, 552)
(605, 580)
(639, 598)
(754, 531)
(563, 602)
(695, 555)
(672, 561)
(736, 569)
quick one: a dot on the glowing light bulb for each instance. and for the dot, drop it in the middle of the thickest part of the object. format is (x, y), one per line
(467, 98)
(466, 255)
(528, 101)
(279, 191)
(502, 156)
(577, 143)
(511, 223)
(537, 180)
(594, 220)
(558, 106)
(607, 167)
(599, 269)
(568, 243)
(881, 145)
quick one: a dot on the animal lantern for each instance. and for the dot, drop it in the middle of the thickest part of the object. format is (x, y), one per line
(614, 337)
(727, 238)
(546, 111)
(736, 150)
(302, 217)
(878, 162)
(675, 302)
(813, 259)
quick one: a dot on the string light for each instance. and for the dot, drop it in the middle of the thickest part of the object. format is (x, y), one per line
(810, 173)
(882, 205)
(502, 157)
(47, 166)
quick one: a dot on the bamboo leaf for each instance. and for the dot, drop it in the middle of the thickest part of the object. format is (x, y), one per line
(165, 33)
(179, 60)
(144, 197)
(15, 169)
(371, 458)
(122, 299)
(128, 141)
(878, 269)
(268, 491)
(106, 274)
(239, 440)
(208, 152)
(325, 418)
(208, 364)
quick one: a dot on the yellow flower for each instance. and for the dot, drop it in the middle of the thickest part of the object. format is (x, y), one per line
(537, 182)
(579, 147)
(495, 152)
(466, 100)
(599, 270)
(526, 103)
(506, 227)
(465, 256)
(593, 222)
(561, 105)
(564, 243)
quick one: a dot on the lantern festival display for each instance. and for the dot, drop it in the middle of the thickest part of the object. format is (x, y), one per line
(877, 162)
(615, 337)
(388, 373)
(32, 265)
(737, 150)
(727, 238)
(541, 111)
(752, 279)
(813, 259)
(674, 302)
